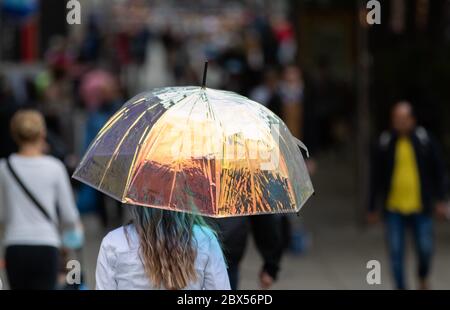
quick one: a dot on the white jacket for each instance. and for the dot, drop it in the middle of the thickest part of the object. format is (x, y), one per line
(119, 266)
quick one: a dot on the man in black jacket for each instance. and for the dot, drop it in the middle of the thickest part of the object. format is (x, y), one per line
(267, 234)
(408, 174)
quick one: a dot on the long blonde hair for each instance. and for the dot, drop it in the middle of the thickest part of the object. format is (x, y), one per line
(168, 248)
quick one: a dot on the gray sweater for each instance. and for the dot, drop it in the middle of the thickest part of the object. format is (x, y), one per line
(46, 178)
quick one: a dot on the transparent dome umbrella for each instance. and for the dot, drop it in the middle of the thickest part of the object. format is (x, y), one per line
(201, 150)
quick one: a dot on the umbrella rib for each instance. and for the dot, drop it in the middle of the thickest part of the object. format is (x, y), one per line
(218, 180)
(144, 135)
(252, 180)
(102, 131)
(282, 159)
(145, 142)
(278, 131)
(133, 162)
(258, 124)
(111, 122)
(116, 150)
(181, 147)
(252, 177)
(115, 118)
(290, 155)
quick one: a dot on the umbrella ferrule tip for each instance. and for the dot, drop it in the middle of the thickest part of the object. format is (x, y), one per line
(205, 71)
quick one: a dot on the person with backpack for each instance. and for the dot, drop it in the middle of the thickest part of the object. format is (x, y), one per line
(37, 199)
(409, 178)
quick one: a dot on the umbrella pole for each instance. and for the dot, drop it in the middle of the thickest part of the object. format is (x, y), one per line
(205, 70)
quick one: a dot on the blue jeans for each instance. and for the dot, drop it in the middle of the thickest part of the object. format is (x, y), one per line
(422, 227)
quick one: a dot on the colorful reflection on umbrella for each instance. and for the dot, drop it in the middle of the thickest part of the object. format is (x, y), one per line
(197, 149)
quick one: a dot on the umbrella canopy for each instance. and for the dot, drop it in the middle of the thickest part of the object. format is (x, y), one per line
(196, 149)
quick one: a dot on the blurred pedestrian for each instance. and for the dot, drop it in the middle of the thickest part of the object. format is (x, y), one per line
(267, 234)
(267, 93)
(409, 176)
(54, 88)
(32, 201)
(285, 35)
(327, 107)
(291, 92)
(7, 108)
(161, 249)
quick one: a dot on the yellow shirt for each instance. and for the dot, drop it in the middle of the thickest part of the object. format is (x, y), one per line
(405, 194)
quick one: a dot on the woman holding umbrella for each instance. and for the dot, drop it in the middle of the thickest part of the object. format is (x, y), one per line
(176, 154)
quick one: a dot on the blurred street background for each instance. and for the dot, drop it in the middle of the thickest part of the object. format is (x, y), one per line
(317, 64)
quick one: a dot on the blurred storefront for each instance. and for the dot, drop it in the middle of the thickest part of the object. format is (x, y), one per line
(27, 26)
